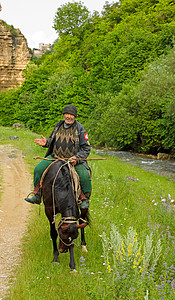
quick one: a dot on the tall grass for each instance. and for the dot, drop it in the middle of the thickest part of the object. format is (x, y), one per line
(130, 242)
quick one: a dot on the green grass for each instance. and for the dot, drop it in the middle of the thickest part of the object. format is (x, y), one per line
(114, 201)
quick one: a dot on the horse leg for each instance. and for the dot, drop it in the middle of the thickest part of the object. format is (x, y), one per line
(72, 260)
(54, 236)
(83, 242)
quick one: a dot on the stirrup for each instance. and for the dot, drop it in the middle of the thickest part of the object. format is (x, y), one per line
(34, 199)
(84, 204)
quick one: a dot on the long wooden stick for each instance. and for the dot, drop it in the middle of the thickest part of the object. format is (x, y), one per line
(39, 157)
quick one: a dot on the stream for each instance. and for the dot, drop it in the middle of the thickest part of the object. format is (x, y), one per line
(160, 167)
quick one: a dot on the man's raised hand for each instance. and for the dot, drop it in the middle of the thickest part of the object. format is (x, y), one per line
(41, 142)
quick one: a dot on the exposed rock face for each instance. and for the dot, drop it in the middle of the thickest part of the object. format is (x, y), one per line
(14, 56)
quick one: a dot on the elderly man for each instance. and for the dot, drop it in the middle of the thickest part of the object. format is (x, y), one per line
(69, 140)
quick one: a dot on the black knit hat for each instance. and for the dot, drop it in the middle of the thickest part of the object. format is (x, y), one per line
(70, 109)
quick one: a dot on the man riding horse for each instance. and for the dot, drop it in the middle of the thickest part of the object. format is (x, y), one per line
(68, 140)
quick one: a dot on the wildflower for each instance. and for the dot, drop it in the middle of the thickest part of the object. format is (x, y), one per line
(134, 264)
(122, 247)
(116, 255)
(130, 249)
(109, 267)
(121, 259)
(82, 259)
(138, 253)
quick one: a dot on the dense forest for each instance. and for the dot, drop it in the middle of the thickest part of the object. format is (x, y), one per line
(117, 67)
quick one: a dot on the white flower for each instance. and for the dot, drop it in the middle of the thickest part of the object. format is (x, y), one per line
(155, 203)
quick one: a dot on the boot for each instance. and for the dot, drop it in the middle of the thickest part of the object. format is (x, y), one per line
(36, 199)
(85, 201)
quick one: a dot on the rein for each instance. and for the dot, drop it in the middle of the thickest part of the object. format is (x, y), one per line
(53, 194)
(63, 220)
(70, 219)
(68, 245)
(67, 220)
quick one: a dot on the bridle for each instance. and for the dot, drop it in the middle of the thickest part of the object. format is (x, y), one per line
(67, 245)
(68, 220)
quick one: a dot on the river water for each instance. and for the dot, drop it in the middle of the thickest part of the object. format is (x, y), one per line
(160, 167)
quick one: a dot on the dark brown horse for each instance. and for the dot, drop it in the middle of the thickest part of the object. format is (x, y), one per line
(59, 197)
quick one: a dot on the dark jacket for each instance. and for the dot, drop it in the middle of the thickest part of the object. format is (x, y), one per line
(82, 146)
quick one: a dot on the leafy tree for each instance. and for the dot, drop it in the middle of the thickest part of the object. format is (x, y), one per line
(107, 65)
(141, 117)
(70, 18)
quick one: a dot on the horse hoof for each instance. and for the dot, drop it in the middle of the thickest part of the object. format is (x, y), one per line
(84, 249)
(55, 262)
(74, 272)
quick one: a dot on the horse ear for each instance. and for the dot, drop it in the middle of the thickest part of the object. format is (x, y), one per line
(83, 225)
(65, 226)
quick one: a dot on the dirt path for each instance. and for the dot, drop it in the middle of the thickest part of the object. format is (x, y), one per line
(13, 211)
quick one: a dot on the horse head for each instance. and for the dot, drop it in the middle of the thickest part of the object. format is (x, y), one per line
(68, 232)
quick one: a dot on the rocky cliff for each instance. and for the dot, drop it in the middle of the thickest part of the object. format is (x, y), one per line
(14, 56)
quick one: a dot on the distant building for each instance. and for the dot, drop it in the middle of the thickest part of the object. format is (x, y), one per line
(42, 49)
